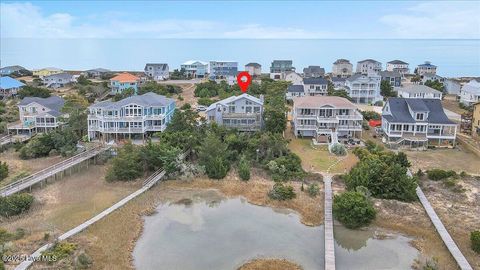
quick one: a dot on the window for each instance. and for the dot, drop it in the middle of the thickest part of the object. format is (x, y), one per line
(420, 116)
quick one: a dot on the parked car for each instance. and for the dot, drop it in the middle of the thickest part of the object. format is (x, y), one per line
(201, 108)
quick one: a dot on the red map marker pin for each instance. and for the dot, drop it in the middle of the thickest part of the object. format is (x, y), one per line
(244, 79)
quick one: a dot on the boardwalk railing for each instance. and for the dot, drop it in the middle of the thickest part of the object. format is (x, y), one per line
(329, 238)
(5, 139)
(34, 178)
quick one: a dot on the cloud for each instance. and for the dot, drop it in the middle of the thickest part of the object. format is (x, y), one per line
(436, 20)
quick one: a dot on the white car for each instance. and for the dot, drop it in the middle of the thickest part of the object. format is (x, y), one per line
(201, 108)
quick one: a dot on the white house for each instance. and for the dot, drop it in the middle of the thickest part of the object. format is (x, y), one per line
(426, 68)
(195, 68)
(398, 66)
(315, 86)
(364, 89)
(291, 76)
(338, 83)
(243, 112)
(38, 115)
(470, 92)
(157, 72)
(313, 72)
(295, 90)
(58, 80)
(415, 122)
(342, 68)
(418, 91)
(431, 77)
(326, 118)
(368, 66)
(452, 86)
(132, 117)
(254, 69)
(222, 69)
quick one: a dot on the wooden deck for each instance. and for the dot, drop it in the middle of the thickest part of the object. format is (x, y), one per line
(39, 176)
(329, 239)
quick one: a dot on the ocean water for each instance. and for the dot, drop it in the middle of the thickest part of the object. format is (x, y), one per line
(453, 57)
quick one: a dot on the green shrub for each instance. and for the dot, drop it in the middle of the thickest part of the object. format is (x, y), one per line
(313, 190)
(84, 261)
(475, 240)
(60, 250)
(286, 167)
(3, 170)
(281, 192)
(244, 169)
(15, 204)
(353, 209)
(46, 236)
(420, 173)
(371, 115)
(126, 165)
(463, 174)
(205, 101)
(19, 233)
(439, 174)
(338, 149)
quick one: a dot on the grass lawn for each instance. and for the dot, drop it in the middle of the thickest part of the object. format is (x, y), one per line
(318, 158)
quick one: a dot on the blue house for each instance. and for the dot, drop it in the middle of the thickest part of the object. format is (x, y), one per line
(123, 82)
(9, 86)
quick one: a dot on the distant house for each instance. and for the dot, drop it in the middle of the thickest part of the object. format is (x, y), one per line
(431, 77)
(364, 89)
(38, 115)
(223, 70)
(46, 72)
(291, 76)
(452, 86)
(295, 91)
(124, 81)
(426, 68)
(57, 80)
(342, 68)
(470, 92)
(393, 77)
(9, 87)
(476, 120)
(338, 83)
(398, 66)
(97, 72)
(244, 112)
(280, 66)
(157, 72)
(254, 69)
(326, 118)
(131, 117)
(313, 72)
(315, 86)
(368, 66)
(414, 122)
(195, 69)
(8, 70)
(418, 91)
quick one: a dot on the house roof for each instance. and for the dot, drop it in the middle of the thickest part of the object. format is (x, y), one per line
(320, 101)
(398, 62)
(337, 79)
(191, 62)
(257, 65)
(314, 69)
(63, 75)
(427, 64)
(146, 100)
(390, 74)
(417, 88)
(341, 61)
(315, 81)
(296, 88)
(12, 68)
(399, 108)
(8, 83)
(234, 98)
(161, 66)
(99, 70)
(54, 103)
(49, 69)
(125, 77)
(368, 60)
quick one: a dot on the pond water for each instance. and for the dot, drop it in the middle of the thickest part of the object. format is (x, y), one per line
(224, 234)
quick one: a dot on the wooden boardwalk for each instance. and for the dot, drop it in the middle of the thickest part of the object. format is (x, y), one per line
(329, 239)
(39, 176)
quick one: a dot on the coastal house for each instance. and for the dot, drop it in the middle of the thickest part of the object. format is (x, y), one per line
(364, 89)
(416, 122)
(295, 90)
(398, 66)
(342, 68)
(58, 80)
(291, 76)
(470, 92)
(313, 72)
(97, 72)
(315, 86)
(195, 68)
(132, 117)
(9, 70)
(393, 77)
(124, 81)
(243, 112)
(476, 120)
(38, 115)
(9, 87)
(452, 86)
(280, 66)
(157, 72)
(254, 69)
(338, 83)
(418, 91)
(327, 119)
(223, 70)
(431, 77)
(426, 68)
(368, 66)
(46, 72)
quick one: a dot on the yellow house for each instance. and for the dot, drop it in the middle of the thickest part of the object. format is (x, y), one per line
(476, 120)
(46, 71)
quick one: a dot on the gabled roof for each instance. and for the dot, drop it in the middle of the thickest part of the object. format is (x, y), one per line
(125, 77)
(161, 66)
(296, 88)
(341, 61)
(8, 83)
(417, 88)
(390, 74)
(401, 114)
(191, 62)
(321, 101)
(398, 62)
(368, 60)
(54, 103)
(146, 100)
(224, 102)
(315, 81)
(257, 65)
(63, 75)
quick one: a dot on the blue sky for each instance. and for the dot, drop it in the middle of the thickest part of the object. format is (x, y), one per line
(241, 19)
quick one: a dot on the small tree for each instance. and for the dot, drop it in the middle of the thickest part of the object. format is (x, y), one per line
(213, 155)
(353, 209)
(313, 190)
(386, 89)
(3, 170)
(281, 192)
(244, 169)
(475, 239)
(15, 204)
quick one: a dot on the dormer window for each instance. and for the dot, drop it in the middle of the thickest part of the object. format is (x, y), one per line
(420, 116)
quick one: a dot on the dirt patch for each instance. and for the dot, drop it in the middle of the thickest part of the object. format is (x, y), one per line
(459, 209)
(187, 94)
(113, 238)
(451, 104)
(270, 264)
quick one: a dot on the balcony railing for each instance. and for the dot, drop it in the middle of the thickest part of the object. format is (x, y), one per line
(241, 115)
(126, 118)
